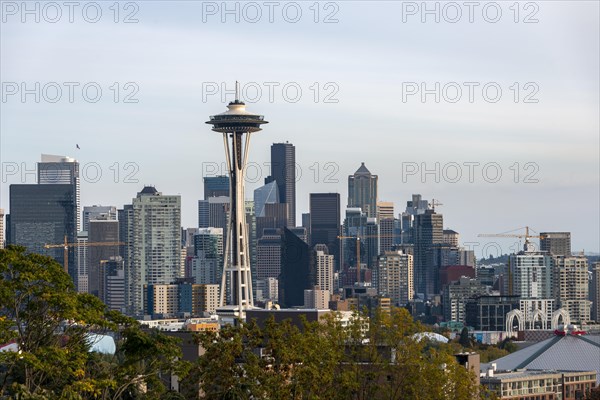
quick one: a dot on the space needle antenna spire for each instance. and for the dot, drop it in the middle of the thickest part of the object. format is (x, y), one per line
(236, 125)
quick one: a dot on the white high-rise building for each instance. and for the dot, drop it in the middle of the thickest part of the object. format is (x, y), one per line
(156, 247)
(324, 270)
(394, 277)
(82, 262)
(571, 286)
(531, 274)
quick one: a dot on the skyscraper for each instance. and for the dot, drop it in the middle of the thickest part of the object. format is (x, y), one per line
(114, 284)
(275, 216)
(236, 125)
(571, 286)
(156, 246)
(324, 270)
(266, 194)
(531, 277)
(385, 210)
(414, 207)
(532, 274)
(362, 191)
(296, 274)
(428, 233)
(62, 170)
(556, 243)
(216, 186)
(213, 213)
(268, 264)
(92, 212)
(325, 222)
(207, 264)
(44, 214)
(283, 172)
(101, 230)
(393, 277)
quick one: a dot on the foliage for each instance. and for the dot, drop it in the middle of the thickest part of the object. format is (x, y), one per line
(51, 323)
(380, 358)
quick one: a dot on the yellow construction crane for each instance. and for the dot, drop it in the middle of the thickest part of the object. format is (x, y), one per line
(527, 236)
(66, 245)
(358, 238)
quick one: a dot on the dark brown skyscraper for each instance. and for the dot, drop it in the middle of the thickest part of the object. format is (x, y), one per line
(283, 171)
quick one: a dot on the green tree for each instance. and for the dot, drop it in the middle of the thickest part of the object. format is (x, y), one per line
(51, 324)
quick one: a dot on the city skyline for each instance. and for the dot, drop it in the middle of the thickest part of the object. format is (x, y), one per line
(558, 135)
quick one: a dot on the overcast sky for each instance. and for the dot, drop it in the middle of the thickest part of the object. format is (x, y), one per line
(361, 70)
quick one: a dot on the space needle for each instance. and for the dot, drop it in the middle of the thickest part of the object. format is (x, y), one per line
(236, 124)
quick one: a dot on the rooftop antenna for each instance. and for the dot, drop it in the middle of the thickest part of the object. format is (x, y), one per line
(237, 89)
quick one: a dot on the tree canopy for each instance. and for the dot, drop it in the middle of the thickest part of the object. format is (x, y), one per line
(50, 323)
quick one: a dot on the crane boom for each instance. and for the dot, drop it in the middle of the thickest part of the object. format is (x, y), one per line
(66, 245)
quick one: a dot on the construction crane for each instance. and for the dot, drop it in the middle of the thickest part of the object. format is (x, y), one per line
(358, 239)
(527, 236)
(66, 245)
(526, 246)
(434, 203)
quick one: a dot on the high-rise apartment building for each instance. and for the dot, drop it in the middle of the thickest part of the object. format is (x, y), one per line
(393, 277)
(532, 274)
(571, 286)
(325, 222)
(362, 191)
(156, 244)
(283, 172)
(556, 243)
(428, 233)
(324, 270)
(216, 186)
